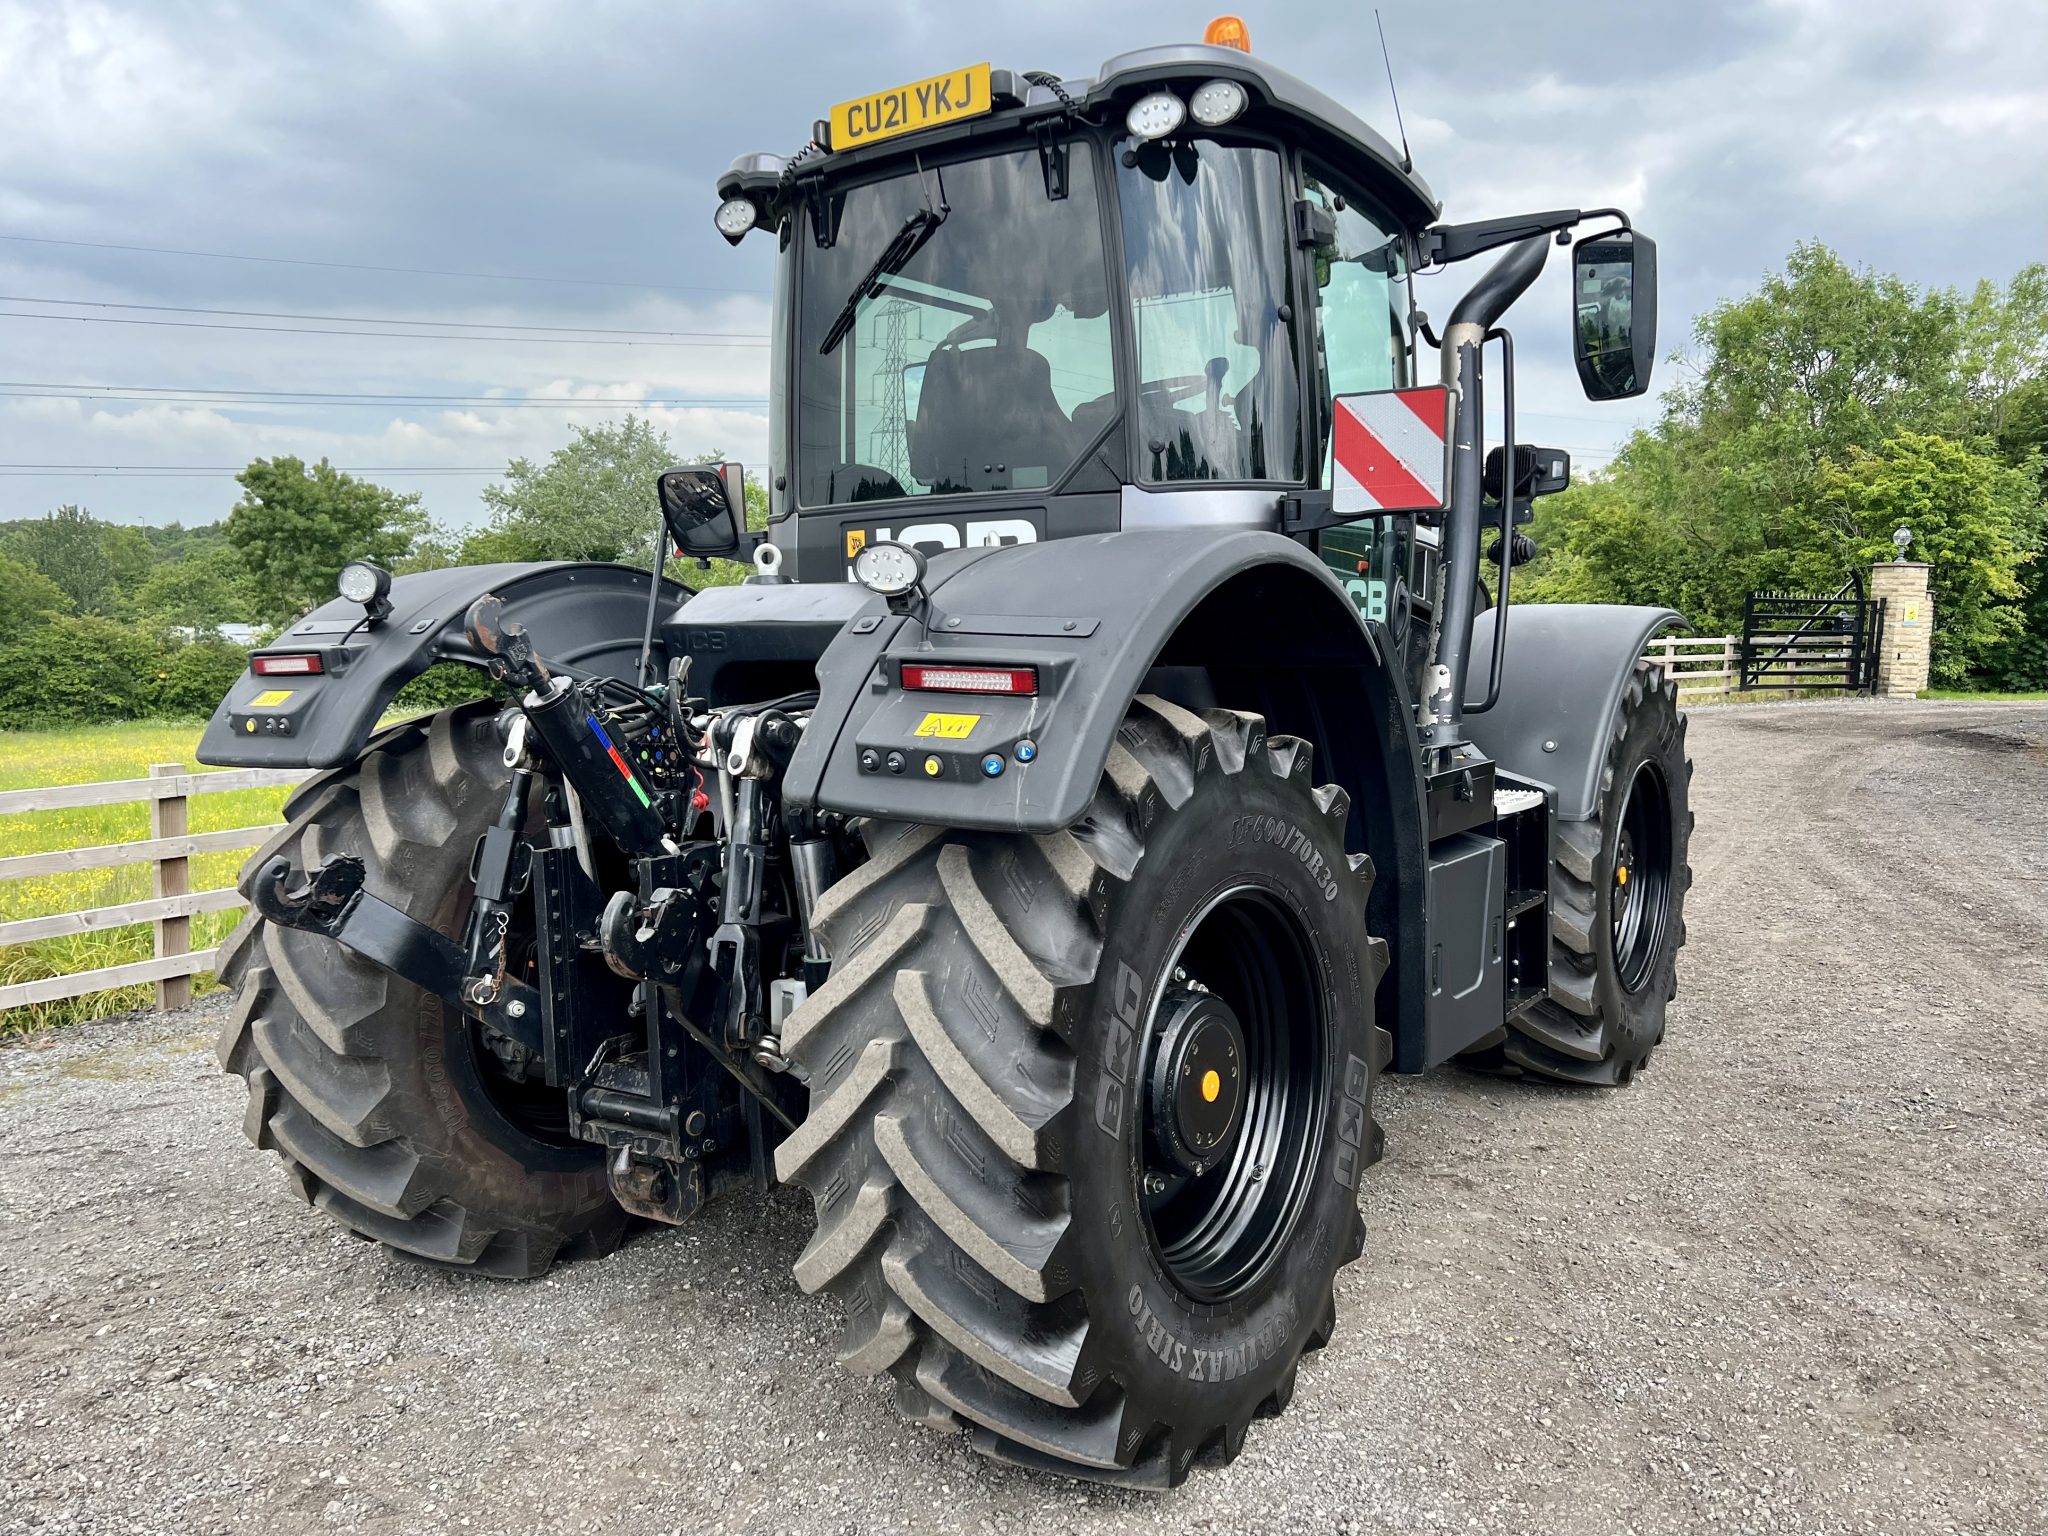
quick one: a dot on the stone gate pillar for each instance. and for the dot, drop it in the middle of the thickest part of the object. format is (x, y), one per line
(1908, 627)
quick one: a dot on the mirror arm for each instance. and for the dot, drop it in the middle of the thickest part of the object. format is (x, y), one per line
(1446, 243)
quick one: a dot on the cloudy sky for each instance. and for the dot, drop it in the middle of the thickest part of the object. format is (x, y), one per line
(472, 167)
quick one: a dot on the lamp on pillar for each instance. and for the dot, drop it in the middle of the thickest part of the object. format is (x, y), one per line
(1906, 622)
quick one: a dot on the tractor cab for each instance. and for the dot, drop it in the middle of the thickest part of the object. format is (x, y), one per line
(1012, 308)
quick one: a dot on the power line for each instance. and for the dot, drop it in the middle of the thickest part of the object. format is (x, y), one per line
(236, 469)
(454, 325)
(219, 472)
(356, 266)
(130, 395)
(292, 330)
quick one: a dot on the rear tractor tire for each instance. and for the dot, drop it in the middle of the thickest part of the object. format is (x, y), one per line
(1617, 906)
(1088, 1111)
(390, 1113)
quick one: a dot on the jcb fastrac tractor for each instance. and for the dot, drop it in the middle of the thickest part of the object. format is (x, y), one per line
(1122, 754)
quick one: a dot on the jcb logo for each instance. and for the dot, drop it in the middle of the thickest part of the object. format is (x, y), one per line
(1122, 1039)
(933, 538)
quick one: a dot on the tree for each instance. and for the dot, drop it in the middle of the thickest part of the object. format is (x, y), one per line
(1824, 410)
(295, 528)
(73, 549)
(2005, 350)
(1976, 521)
(27, 596)
(200, 593)
(594, 499)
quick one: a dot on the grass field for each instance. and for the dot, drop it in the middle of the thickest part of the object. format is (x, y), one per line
(31, 759)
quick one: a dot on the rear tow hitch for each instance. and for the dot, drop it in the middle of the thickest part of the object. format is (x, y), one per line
(333, 902)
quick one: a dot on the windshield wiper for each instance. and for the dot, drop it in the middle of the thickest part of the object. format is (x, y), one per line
(908, 240)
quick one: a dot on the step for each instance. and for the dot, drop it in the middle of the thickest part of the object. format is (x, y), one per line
(1513, 802)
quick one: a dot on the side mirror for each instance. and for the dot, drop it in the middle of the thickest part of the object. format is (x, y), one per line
(1614, 293)
(705, 507)
(913, 389)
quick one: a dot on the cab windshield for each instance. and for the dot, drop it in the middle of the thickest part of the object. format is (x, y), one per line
(954, 336)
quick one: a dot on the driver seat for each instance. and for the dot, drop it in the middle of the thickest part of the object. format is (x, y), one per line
(983, 405)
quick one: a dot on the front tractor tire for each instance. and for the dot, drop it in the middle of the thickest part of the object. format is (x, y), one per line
(389, 1112)
(1617, 905)
(1088, 1111)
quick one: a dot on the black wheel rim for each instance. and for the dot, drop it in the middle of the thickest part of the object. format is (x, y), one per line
(1219, 1232)
(1639, 894)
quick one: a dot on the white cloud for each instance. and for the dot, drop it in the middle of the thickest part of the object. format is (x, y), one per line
(533, 138)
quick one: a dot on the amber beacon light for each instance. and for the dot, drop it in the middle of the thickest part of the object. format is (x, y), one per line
(1228, 32)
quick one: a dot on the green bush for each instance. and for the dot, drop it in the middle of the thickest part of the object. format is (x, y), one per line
(27, 596)
(198, 676)
(443, 687)
(73, 670)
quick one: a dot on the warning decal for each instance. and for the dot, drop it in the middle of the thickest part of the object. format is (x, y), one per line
(1389, 451)
(947, 727)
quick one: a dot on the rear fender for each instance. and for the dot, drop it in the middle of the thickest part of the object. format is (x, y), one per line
(586, 620)
(1567, 664)
(1243, 619)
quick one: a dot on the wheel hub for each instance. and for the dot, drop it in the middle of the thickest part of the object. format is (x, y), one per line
(1642, 878)
(1197, 1080)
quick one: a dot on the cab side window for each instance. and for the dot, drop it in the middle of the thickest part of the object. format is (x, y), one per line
(1362, 336)
(1362, 343)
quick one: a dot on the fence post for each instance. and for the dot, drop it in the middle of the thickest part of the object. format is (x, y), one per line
(1727, 664)
(168, 817)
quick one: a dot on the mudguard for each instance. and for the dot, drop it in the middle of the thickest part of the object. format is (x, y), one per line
(586, 620)
(1092, 614)
(1205, 616)
(1567, 664)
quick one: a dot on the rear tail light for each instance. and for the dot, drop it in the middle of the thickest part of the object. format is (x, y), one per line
(304, 664)
(970, 679)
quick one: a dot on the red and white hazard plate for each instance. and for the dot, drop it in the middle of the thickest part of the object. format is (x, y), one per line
(1390, 451)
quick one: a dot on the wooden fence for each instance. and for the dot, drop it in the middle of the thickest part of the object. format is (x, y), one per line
(1699, 664)
(168, 790)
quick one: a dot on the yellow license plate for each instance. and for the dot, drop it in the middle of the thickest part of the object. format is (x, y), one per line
(906, 109)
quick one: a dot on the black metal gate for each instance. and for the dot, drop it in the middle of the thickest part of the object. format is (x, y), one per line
(1806, 640)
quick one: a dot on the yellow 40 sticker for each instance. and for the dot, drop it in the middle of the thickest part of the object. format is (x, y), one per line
(950, 727)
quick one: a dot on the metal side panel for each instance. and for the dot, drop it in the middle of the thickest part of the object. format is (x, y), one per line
(1467, 992)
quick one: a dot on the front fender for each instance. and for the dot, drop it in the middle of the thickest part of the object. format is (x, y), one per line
(1566, 666)
(585, 619)
(1092, 614)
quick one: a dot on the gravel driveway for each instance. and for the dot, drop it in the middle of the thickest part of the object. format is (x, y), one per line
(1795, 1279)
